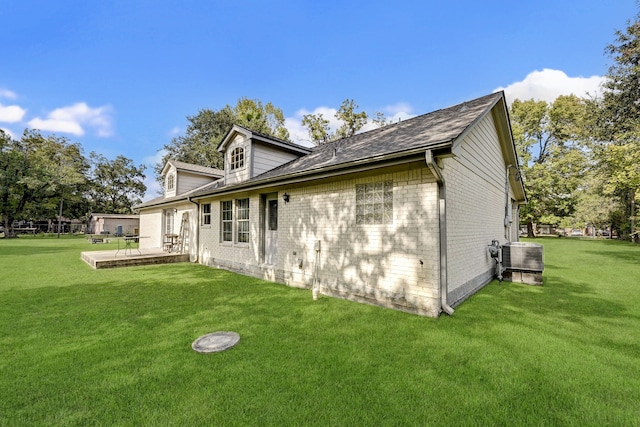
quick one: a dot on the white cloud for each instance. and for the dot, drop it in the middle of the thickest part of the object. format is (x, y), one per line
(153, 188)
(5, 93)
(74, 118)
(401, 108)
(8, 132)
(151, 161)
(11, 113)
(548, 84)
(299, 133)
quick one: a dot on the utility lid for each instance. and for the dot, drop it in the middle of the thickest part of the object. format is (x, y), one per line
(215, 342)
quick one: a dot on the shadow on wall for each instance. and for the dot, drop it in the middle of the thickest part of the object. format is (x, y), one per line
(393, 265)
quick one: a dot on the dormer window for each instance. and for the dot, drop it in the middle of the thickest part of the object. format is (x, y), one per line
(237, 158)
(171, 182)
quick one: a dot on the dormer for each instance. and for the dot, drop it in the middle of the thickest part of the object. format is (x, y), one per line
(247, 154)
(180, 177)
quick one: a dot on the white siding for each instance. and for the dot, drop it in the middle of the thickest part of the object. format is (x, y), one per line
(241, 174)
(475, 181)
(188, 181)
(266, 158)
(167, 192)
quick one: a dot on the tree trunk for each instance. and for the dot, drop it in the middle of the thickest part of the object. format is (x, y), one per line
(530, 229)
(633, 215)
(8, 228)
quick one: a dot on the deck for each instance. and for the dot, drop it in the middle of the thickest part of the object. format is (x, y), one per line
(114, 258)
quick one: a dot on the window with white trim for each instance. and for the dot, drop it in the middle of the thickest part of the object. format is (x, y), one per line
(206, 214)
(242, 220)
(168, 221)
(226, 218)
(171, 182)
(374, 203)
(237, 158)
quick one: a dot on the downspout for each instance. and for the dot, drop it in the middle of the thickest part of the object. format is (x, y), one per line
(508, 221)
(197, 228)
(507, 214)
(442, 220)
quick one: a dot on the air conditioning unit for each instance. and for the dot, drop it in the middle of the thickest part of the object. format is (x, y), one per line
(522, 256)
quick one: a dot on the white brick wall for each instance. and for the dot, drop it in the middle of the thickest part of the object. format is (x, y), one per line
(380, 264)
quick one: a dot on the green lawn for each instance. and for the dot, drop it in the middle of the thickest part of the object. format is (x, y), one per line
(113, 347)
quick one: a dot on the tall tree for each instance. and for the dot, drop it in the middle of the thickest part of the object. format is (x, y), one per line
(593, 207)
(38, 174)
(352, 122)
(206, 129)
(619, 154)
(550, 140)
(116, 185)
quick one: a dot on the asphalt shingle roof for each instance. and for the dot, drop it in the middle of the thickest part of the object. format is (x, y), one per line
(432, 130)
(421, 132)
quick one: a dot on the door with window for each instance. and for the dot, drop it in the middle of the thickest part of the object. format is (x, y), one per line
(271, 229)
(167, 229)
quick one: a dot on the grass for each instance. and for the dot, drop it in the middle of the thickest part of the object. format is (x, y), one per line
(112, 347)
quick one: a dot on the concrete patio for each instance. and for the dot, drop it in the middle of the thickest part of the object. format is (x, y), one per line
(130, 257)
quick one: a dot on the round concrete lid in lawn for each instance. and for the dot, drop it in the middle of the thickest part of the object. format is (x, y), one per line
(215, 341)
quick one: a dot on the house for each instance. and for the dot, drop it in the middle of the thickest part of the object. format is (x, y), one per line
(115, 224)
(400, 216)
(163, 216)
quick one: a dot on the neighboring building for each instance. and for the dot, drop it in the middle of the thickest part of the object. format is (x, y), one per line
(114, 224)
(400, 216)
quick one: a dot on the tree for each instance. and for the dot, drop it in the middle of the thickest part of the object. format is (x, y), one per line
(593, 207)
(115, 185)
(551, 142)
(206, 129)
(38, 173)
(267, 119)
(352, 122)
(318, 128)
(619, 153)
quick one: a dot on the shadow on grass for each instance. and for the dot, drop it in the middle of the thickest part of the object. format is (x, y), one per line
(632, 256)
(28, 250)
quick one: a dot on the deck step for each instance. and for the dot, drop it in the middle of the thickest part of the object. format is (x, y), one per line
(109, 259)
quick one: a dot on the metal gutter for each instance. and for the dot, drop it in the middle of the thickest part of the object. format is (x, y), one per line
(442, 220)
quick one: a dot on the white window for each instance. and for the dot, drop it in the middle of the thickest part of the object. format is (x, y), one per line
(206, 214)
(168, 221)
(242, 221)
(237, 158)
(374, 203)
(234, 221)
(226, 219)
(171, 182)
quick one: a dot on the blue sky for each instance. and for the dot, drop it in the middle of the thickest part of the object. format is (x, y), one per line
(120, 77)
